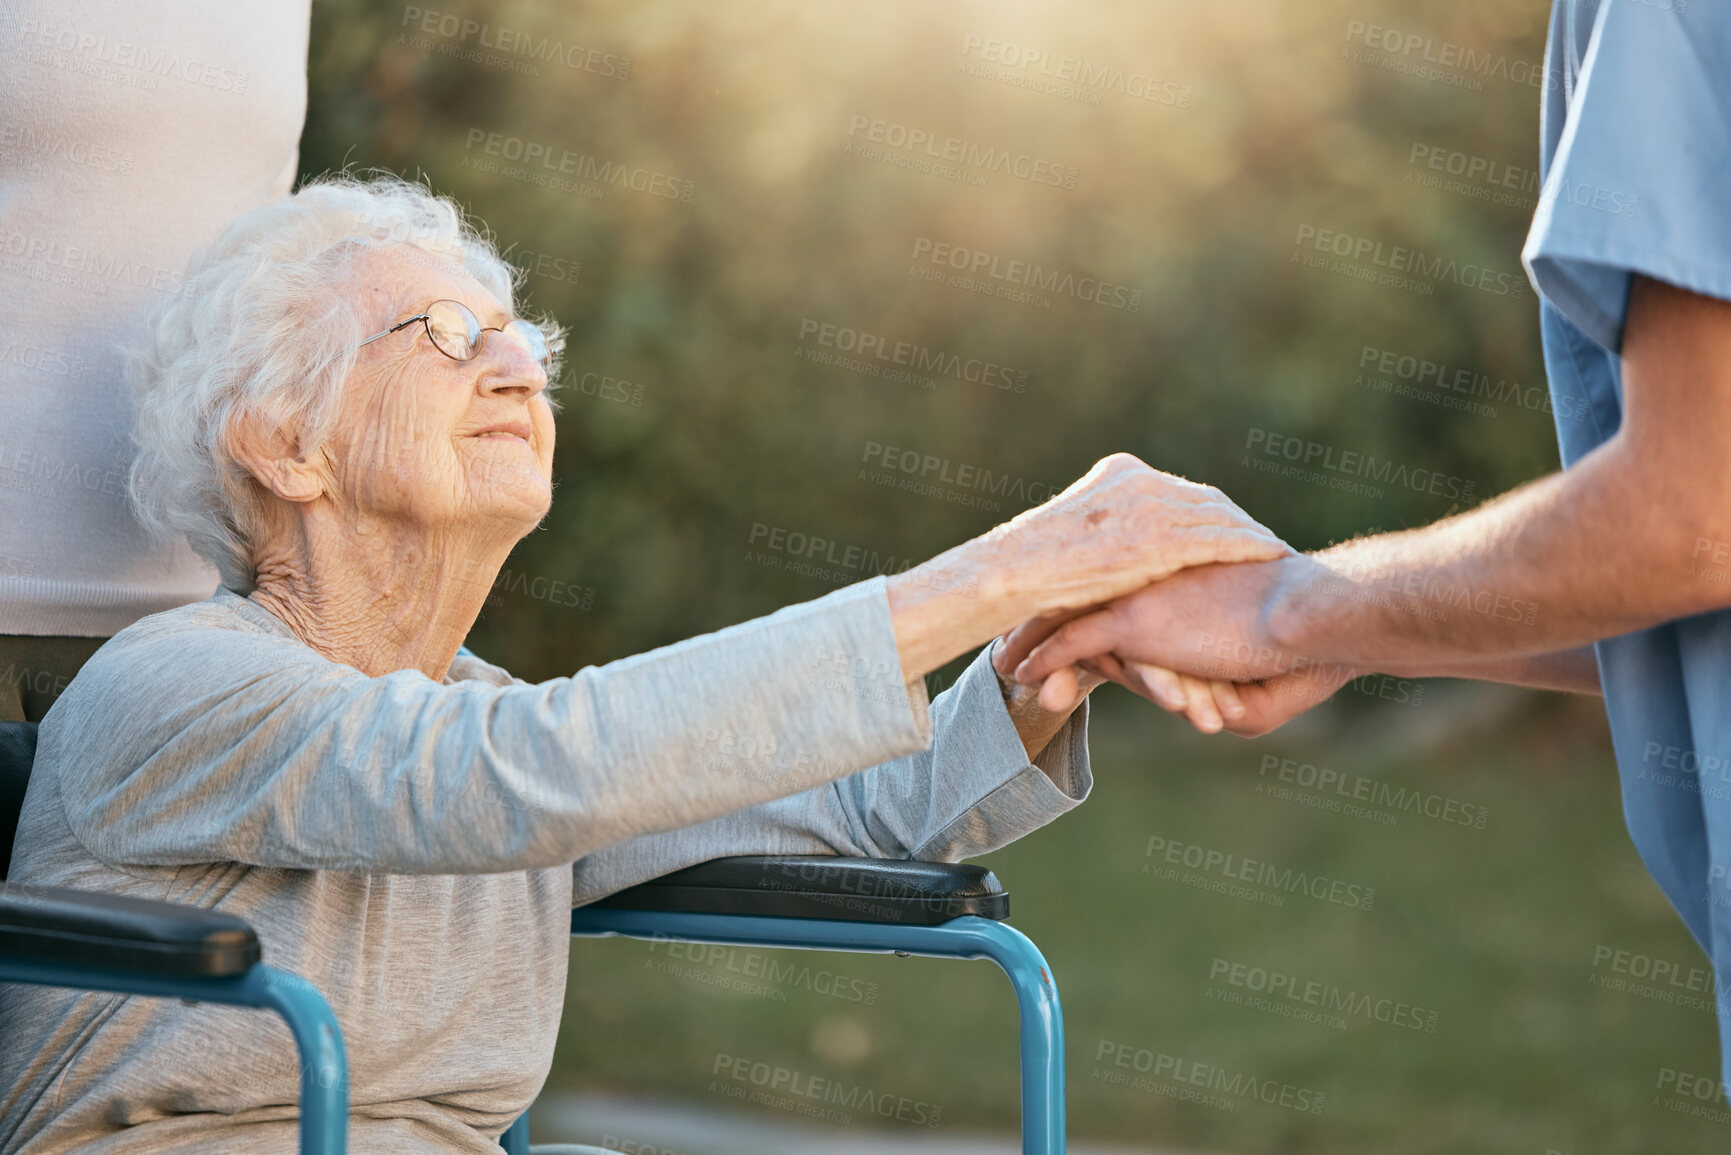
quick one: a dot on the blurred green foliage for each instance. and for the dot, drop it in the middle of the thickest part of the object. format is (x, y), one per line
(702, 304)
(1495, 931)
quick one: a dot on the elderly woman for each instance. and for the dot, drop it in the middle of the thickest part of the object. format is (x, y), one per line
(343, 412)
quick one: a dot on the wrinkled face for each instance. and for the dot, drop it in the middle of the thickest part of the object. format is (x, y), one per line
(430, 440)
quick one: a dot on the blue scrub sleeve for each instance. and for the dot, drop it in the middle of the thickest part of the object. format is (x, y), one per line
(1641, 180)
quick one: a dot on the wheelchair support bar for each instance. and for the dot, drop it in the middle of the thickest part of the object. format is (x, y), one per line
(1042, 1016)
(515, 1140)
(324, 1104)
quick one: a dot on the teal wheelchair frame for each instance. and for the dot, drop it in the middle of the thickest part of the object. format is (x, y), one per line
(59, 937)
(55, 936)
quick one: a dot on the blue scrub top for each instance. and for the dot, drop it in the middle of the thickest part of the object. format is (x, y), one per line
(1636, 167)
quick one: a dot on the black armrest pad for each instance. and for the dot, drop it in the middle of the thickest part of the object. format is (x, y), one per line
(822, 886)
(51, 924)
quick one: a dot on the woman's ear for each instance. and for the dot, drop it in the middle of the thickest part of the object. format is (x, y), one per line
(275, 460)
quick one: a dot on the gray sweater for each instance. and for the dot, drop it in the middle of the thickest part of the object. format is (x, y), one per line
(413, 848)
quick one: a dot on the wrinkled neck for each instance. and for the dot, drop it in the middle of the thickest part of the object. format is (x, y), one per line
(375, 594)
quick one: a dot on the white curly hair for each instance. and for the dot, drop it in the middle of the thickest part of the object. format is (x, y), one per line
(262, 332)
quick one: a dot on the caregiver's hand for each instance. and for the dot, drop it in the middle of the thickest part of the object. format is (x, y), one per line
(1195, 644)
(1118, 528)
(1248, 709)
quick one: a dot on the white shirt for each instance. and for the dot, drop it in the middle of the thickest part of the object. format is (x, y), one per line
(130, 135)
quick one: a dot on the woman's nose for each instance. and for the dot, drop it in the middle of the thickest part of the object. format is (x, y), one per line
(508, 366)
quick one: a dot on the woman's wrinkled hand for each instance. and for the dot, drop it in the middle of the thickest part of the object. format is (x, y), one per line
(1119, 527)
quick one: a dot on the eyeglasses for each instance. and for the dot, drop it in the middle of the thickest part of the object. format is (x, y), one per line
(456, 332)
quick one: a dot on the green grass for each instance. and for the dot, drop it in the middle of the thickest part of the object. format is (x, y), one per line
(1493, 930)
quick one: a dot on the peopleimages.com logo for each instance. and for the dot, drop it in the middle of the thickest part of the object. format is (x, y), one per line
(547, 164)
(1372, 260)
(978, 265)
(1072, 77)
(1422, 55)
(912, 355)
(515, 43)
(935, 146)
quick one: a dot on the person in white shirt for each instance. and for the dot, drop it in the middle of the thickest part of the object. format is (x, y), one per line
(130, 136)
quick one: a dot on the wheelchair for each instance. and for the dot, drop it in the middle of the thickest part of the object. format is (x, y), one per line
(55, 936)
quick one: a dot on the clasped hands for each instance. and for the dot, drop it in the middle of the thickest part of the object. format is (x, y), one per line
(1201, 637)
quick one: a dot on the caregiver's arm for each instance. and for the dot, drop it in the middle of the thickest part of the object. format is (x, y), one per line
(1571, 671)
(1616, 543)
(1250, 709)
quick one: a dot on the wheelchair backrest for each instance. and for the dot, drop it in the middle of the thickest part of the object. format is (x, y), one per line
(17, 752)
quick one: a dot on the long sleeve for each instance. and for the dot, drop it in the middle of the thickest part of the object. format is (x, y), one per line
(211, 734)
(972, 790)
